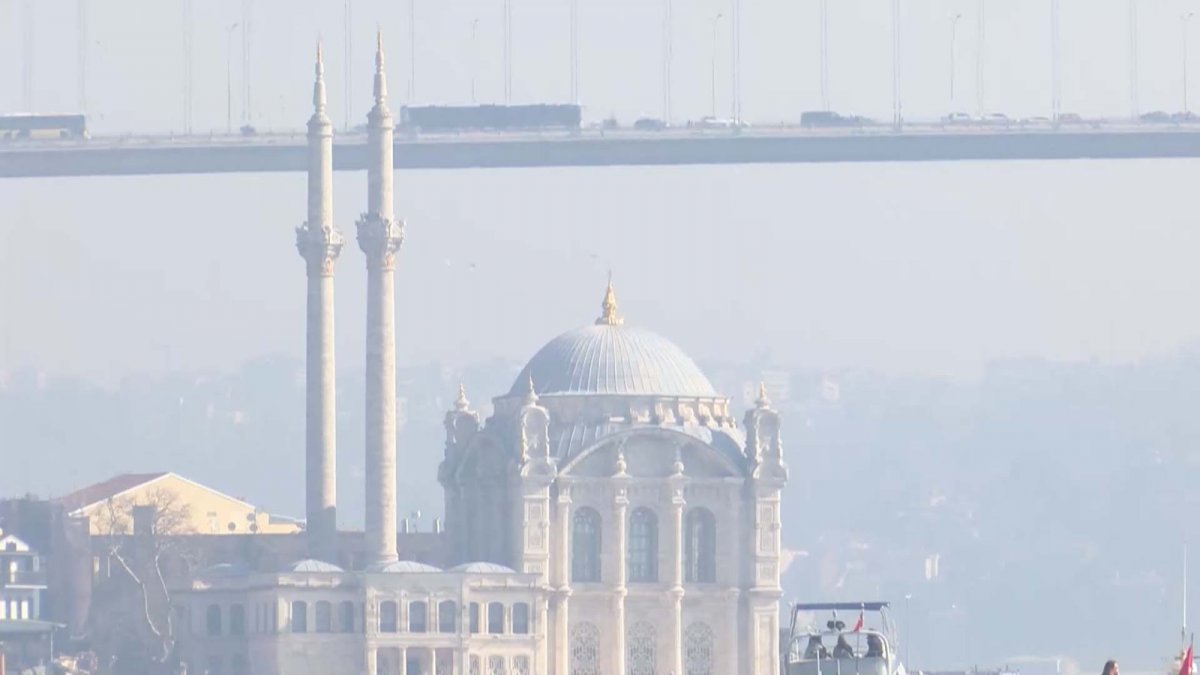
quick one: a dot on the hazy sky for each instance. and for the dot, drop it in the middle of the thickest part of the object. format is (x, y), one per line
(928, 268)
(135, 56)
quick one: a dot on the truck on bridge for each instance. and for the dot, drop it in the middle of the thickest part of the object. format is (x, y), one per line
(33, 125)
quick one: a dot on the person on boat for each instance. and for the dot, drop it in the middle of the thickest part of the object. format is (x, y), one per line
(1110, 668)
(843, 650)
(875, 649)
(815, 649)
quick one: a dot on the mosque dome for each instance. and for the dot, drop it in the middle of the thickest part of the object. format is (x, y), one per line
(311, 565)
(610, 358)
(408, 567)
(482, 568)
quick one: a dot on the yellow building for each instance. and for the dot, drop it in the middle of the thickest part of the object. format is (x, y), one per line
(168, 503)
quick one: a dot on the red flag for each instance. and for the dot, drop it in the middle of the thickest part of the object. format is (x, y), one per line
(1185, 667)
(858, 625)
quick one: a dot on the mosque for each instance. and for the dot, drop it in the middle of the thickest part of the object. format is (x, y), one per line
(610, 517)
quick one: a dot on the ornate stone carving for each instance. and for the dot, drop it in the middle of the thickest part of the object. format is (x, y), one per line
(698, 649)
(320, 248)
(642, 648)
(585, 649)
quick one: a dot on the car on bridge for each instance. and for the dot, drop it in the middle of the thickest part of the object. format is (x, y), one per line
(958, 119)
(818, 119)
(650, 124)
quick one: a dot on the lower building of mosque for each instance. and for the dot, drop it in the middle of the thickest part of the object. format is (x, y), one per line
(611, 517)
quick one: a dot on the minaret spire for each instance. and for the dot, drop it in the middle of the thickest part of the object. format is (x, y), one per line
(380, 77)
(319, 100)
(320, 243)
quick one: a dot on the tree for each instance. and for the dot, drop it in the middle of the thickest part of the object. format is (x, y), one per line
(145, 541)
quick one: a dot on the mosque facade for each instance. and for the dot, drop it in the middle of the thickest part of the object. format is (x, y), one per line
(612, 516)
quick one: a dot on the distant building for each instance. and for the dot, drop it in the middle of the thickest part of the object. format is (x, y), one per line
(115, 503)
(22, 580)
(25, 638)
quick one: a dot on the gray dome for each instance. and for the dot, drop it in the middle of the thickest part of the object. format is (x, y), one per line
(613, 359)
(482, 568)
(407, 567)
(310, 565)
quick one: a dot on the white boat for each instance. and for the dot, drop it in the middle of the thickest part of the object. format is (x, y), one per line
(820, 642)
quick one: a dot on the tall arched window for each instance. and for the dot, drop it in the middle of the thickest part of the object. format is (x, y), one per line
(213, 620)
(237, 619)
(346, 616)
(387, 617)
(418, 619)
(324, 617)
(700, 547)
(299, 616)
(447, 616)
(642, 557)
(520, 618)
(585, 545)
(495, 618)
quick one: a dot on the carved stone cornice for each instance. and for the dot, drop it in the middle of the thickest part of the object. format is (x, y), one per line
(320, 248)
(379, 239)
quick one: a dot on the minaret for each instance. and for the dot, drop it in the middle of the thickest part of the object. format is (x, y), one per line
(379, 237)
(320, 243)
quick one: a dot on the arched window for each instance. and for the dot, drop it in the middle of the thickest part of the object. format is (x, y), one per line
(418, 617)
(700, 547)
(237, 619)
(698, 650)
(585, 545)
(346, 616)
(299, 616)
(474, 618)
(447, 616)
(495, 618)
(585, 649)
(520, 619)
(641, 647)
(213, 620)
(324, 617)
(387, 617)
(642, 558)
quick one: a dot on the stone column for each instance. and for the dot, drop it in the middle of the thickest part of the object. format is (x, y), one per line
(402, 667)
(372, 659)
(379, 237)
(562, 573)
(620, 508)
(676, 595)
(320, 243)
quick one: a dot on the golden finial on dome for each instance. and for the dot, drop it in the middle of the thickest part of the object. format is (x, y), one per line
(461, 403)
(609, 316)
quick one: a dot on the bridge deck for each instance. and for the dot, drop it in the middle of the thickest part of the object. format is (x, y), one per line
(145, 156)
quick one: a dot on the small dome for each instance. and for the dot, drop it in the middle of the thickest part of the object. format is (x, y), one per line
(612, 358)
(483, 568)
(224, 571)
(310, 565)
(407, 567)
